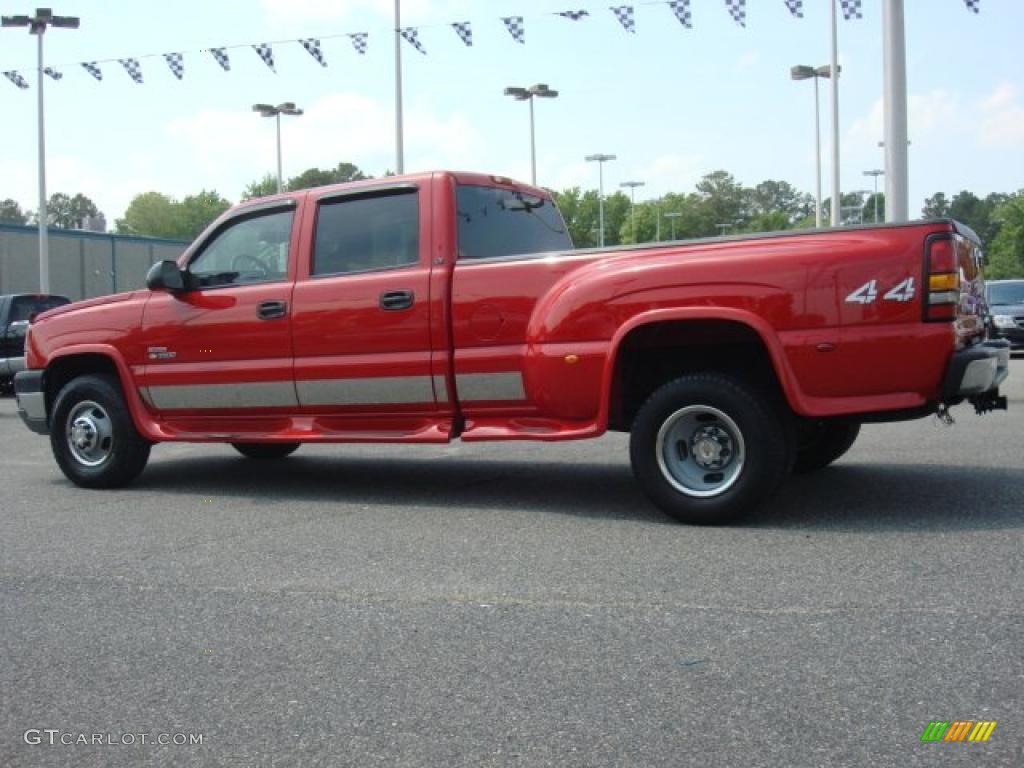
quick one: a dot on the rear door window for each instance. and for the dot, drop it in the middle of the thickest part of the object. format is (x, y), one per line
(366, 234)
(507, 222)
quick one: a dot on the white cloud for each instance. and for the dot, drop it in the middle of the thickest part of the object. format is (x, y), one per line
(748, 62)
(1001, 119)
(413, 11)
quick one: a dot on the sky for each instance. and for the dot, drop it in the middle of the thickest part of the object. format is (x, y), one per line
(671, 103)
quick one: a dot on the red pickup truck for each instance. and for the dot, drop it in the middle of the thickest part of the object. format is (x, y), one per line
(436, 306)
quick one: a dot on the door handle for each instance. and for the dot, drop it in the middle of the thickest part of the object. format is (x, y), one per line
(391, 301)
(269, 310)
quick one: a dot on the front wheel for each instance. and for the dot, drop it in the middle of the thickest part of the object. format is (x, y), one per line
(706, 448)
(92, 434)
(265, 450)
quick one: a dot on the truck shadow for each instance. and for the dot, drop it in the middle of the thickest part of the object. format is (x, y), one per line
(846, 496)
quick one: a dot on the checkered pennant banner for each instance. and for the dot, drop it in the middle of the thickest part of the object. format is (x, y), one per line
(267, 54)
(412, 37)
(515, 27)
(52, 73)
(133, 68)
(221, 55)
(574, 15)
(359, 41)
(176, 63)
(681, 8)
(17, 79)
(973, 5)
(312, 46)
(626, 17)
(796, 7)
(92, 69)
(851, 9)
(464, 31)
(738, 11)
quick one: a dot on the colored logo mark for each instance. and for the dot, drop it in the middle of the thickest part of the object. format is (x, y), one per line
(958, 730)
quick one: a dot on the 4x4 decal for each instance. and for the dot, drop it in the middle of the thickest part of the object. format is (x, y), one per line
(867, 293)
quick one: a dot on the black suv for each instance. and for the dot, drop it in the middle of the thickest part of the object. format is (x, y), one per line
(16, 312)
(1006, 311)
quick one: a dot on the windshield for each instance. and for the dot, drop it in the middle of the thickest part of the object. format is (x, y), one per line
(1006, 293)
(506, 222)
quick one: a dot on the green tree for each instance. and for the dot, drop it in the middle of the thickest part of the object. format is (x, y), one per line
(724, 202)
(197, 211)
(977, 213)
(771, 197)
(260, 188)
(319, 177)
(11, 213)
(67, 212)
(936, 206)
(1006, 254)
(868, 211)
(151, 213)
(579, 209)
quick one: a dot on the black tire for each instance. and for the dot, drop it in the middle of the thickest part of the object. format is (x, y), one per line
(265, 450)
(694, 426)
(822, 442)
(92, 434)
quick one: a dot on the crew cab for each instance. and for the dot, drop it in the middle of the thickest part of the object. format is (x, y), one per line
(441, 306)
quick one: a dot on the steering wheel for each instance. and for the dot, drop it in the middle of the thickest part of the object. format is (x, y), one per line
(238, 264)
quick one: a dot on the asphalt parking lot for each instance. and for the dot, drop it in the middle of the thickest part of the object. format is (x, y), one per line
(517, 604)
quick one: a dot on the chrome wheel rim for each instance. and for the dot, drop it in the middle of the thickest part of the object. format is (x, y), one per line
(700, 451)
(89, 433)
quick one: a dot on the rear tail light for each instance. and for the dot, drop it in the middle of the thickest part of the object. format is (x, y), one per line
(942, 268)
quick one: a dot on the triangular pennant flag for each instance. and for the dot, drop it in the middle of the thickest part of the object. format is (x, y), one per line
(412, 37)
(221, 55)
(17, 79)
(796, 7)
(851, 9)
(973, 5)
(176, 62)
(360, 41)
(312, 46)
(738, 11)
(53, 73)
(574, 15)
(267, 54)
(92, 69)
(133, 68)
(515, 27)
(681, 8)
(464, 31)
(624, 13)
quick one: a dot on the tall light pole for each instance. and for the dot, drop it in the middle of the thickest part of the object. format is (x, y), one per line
(540, 90)
(672, 216)
(268, 110)
(600, 160)
(632, 185)
(37, 26)
(897, 203)
(875, 173)
(837, 200)
(399, 139)
(804, 72)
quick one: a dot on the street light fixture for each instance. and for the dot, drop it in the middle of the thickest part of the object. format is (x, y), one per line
(600, 160)
(632, 185)
(268, 110)
(37, 26)
(875, 173)
(804, 72)
(673, 215)
(541, 91)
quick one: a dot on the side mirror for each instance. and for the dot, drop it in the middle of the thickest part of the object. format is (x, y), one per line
(17, 328)
(165, 276)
